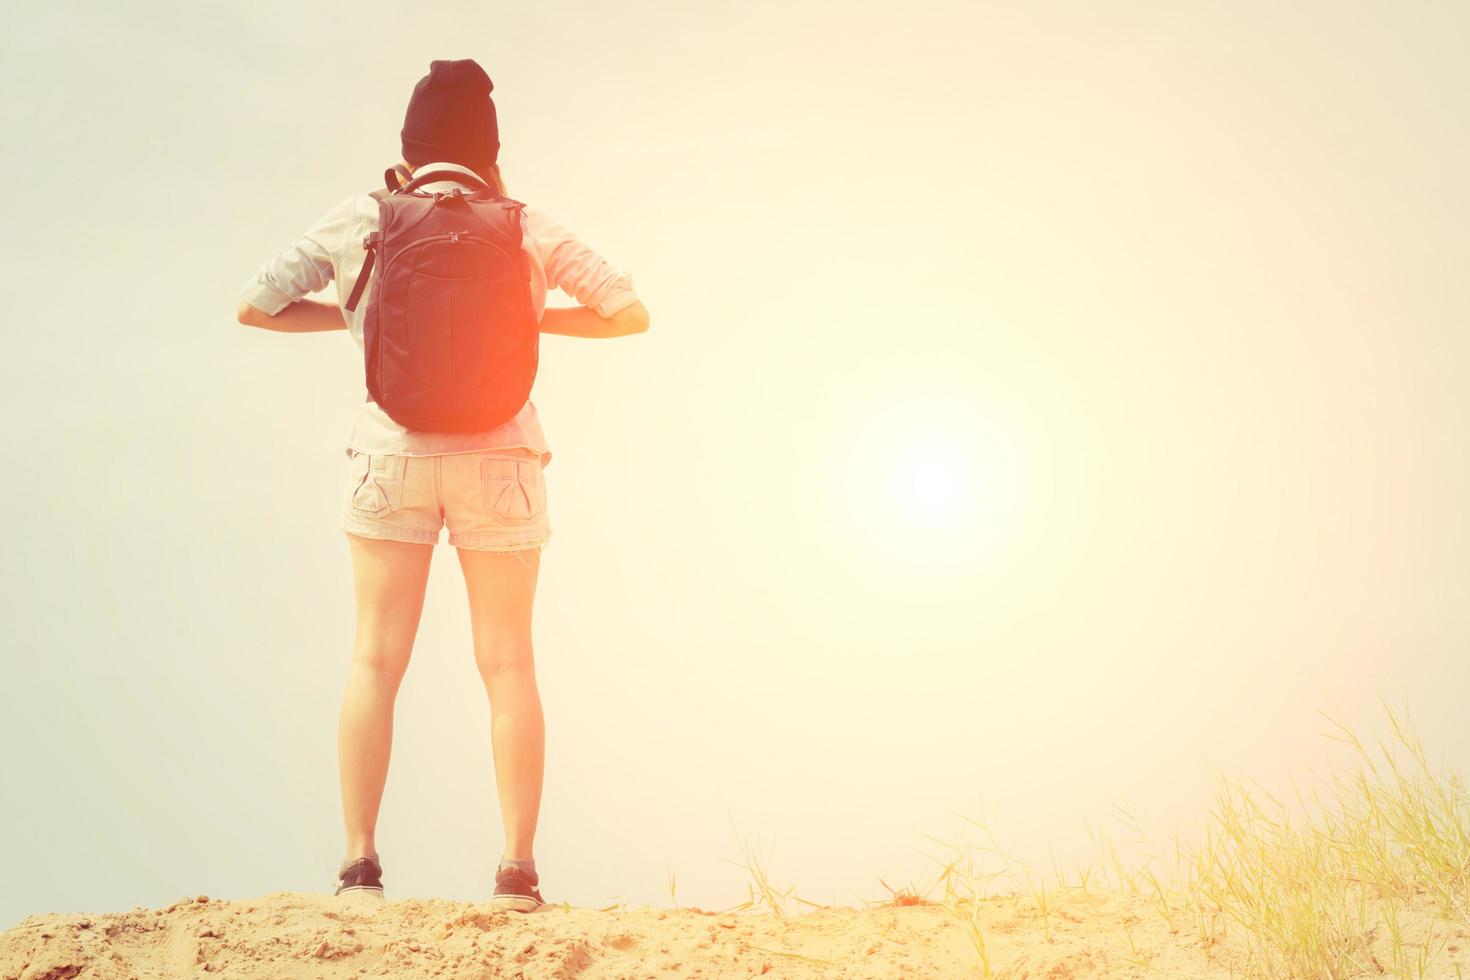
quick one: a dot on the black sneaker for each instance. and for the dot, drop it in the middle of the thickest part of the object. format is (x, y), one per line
(364, 874)
(515, 889)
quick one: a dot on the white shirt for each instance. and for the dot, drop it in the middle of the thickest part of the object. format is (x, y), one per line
(332, 249)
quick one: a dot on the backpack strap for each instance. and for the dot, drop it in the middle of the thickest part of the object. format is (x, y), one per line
(370, 243)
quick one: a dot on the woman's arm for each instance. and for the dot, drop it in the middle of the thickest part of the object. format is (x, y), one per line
(609, 303)
(579, 321)
(275, 297)
(302, 316)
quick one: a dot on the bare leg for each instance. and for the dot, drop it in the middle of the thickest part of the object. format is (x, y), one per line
(502, 588)
(389, 580)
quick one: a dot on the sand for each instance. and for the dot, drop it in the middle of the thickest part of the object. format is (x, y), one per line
(289, 935)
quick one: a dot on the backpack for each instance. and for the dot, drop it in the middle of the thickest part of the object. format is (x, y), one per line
(450, 336)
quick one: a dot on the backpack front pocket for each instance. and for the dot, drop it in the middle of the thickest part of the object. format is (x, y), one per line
(513, 490)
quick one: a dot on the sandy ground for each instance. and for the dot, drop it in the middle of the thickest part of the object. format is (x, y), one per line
(287, 935)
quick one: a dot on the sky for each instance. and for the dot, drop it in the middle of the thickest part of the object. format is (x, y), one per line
(1045, 408)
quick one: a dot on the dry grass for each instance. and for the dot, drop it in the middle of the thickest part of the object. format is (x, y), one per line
(1361, 871)
(1318, 884)
(1323, 883)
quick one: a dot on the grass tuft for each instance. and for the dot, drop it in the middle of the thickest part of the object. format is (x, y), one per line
(1362, 871)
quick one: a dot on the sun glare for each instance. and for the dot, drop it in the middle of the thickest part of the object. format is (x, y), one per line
(934, 485)
(928, 479)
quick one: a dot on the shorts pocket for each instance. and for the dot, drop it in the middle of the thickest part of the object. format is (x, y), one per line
(512, 490)
(377, 483)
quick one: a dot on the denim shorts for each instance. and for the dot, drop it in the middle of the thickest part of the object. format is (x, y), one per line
(491, 500)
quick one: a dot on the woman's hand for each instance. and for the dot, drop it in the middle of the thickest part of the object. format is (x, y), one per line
(302, 316)
(579, 321)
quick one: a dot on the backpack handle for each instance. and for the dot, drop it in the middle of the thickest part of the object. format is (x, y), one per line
(429, 178)
(392, 174)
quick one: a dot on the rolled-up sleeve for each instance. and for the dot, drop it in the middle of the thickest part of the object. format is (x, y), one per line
(577, 270)
(305, 266)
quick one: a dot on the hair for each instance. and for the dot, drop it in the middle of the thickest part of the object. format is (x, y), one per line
(489, 174)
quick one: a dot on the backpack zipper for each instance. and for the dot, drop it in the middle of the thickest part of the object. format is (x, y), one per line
(454, 237)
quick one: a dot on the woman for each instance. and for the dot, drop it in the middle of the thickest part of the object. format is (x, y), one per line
(488, 487)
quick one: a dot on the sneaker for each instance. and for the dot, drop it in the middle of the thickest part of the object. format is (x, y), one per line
(516, 889)
(362, 875)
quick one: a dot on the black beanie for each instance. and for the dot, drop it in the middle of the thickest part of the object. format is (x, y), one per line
(451, 116)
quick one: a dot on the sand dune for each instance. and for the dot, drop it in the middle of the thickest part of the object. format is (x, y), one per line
(295, 935)
(286, 935)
